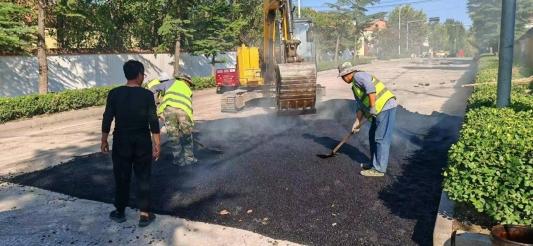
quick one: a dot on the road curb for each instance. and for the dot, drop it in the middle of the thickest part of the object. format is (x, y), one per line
(444, 221)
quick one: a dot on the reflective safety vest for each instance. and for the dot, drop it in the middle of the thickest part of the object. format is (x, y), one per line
(151, 84)
(179, 95)
(382, 95)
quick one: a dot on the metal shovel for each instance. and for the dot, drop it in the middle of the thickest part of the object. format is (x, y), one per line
(334, 151)
(343, 141)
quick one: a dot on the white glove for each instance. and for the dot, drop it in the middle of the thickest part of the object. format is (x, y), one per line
(356, 126)
(373, 112)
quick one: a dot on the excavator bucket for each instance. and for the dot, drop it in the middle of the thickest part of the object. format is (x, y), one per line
(296, 87)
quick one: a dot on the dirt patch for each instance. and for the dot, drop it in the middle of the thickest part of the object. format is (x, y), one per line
(466, 218)
(269, 180)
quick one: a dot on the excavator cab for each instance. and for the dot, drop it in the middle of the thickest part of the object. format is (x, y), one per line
(303, 31)
(296, 87)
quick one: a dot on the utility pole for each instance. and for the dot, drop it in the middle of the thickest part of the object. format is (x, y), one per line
(506, 53)
(400, 31)
(299, 9)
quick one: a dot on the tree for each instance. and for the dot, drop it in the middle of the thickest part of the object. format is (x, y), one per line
(333, 26)
(438, 37)
(398, 20)
(250, 16)
(355, 10)
(171, 31)
(16, 34)
(218, 34)
(73, 26)
(486, 17)
(41, 46)
(456, 39)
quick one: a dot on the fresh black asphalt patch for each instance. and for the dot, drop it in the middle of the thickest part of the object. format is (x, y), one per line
(271, 182)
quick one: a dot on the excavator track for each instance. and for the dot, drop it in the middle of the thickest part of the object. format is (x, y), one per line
(296, 88)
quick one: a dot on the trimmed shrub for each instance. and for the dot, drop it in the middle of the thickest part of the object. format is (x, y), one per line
(12, 108)
(32, 105)
(203, 82)
(491, 166)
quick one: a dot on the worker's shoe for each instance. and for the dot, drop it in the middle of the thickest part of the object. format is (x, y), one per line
(117, 216)
(190, 161)
(146, 220)
(372, 173)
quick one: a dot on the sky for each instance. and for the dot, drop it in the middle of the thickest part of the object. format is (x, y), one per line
(445, 9)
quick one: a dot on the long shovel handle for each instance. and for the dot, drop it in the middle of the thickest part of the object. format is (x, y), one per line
(342, 143)
(344, 140)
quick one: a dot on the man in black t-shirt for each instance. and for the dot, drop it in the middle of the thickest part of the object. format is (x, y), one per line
(134, 111)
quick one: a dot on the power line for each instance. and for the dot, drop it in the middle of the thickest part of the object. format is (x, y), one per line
(400, 4)
(391, 4)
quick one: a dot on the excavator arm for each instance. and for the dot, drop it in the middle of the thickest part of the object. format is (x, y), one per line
(295, 80)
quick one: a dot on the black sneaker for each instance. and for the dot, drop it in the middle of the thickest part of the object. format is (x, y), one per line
(117, 216)
(146, 220)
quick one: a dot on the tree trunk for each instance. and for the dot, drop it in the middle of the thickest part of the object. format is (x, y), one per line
(61, 37)
(355, 50)
(177, 52)
(41, 50)
(317, 50)
(337, 49)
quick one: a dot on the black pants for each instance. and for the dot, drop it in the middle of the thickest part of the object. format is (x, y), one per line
(132, 151)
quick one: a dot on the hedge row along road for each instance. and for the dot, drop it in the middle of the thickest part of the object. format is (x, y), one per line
(34, 105)
(491, 167)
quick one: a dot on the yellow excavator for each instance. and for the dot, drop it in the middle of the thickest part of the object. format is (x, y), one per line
(287, 68)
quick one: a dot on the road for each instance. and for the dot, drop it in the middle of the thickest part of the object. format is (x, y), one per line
(268, 165)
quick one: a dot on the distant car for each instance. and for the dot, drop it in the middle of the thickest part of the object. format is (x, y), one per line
(441, 53)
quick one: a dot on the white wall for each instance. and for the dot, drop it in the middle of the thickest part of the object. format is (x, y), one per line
(19, 74)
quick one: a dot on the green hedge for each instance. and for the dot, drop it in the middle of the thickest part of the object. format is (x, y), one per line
(32, 105)
(203, 82)
(28, 106)
(491, 166)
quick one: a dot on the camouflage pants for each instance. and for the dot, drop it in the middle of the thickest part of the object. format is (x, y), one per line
(179, 131)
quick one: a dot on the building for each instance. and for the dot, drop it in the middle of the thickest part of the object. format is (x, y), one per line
(366, 44)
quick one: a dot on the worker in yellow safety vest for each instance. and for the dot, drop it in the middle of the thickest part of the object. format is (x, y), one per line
(176, 111)
(163, 77)
(377, 104)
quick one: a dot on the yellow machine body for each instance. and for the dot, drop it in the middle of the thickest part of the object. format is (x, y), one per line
(248, 67)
